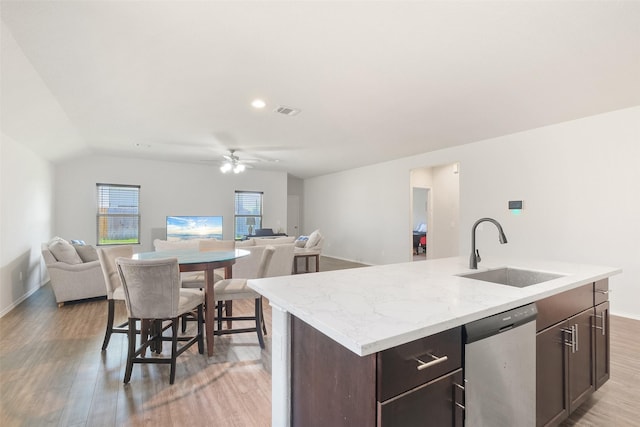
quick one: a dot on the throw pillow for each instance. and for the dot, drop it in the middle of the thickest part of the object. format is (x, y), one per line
(56, 239)
(314, 238)
(301, 241)
(65, 252)
(86, 252)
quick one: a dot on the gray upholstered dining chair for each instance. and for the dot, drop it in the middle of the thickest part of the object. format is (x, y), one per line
(237, 289)
(115, 291)
(153, 294)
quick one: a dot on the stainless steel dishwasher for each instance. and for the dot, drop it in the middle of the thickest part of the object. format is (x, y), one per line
(500, 369)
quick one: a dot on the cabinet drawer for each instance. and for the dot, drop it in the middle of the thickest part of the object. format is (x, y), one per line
(398, 368)
(559, 307)
(434, 404)
(601, 291)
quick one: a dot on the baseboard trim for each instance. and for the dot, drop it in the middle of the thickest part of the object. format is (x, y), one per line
(346, 259)
(19, 300)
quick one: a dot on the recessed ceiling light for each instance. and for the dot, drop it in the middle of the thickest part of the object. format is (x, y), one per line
(258, 103)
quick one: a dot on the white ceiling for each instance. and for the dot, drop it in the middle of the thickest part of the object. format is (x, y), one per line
(375, 80)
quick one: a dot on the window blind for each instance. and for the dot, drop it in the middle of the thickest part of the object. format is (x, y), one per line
(118, 216)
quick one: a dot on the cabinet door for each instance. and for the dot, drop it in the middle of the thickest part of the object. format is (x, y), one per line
(330, 385)
(437, 403)
(551, 375)
(581, 383)
(601, 334)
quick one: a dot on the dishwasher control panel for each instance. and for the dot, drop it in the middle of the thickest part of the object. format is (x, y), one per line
(499, 323)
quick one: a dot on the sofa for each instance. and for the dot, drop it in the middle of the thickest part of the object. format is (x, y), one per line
(281, 262)
(305, 247)
(74, 270)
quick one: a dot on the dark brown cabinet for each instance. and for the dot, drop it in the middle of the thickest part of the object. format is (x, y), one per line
(433, 403)
(414, 384)
(601, 341)
(421, 383)
(572, 351)
(579, 349)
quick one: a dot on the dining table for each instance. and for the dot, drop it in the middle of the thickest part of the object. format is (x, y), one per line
(190, 260)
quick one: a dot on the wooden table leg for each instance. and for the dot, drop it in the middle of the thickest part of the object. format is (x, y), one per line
(210, 309)
(228, 305)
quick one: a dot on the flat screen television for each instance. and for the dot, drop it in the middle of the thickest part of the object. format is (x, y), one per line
(194, 227)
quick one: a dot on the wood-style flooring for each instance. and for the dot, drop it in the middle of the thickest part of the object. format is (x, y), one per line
(52, 373)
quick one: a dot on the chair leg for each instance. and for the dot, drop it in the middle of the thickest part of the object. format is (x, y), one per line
(174, 349)
(131, 350)
(264, 324)
(258, 309)
(200, 334)
(228, 309)
(157, 332)
(219, 314)
(109, 331)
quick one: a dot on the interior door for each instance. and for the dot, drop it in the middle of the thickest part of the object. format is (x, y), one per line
(293, 215)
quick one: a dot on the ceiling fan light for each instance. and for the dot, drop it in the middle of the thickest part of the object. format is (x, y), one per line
(239, 168)
(225, 168)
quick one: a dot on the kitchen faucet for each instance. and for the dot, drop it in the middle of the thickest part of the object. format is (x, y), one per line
(475, 254)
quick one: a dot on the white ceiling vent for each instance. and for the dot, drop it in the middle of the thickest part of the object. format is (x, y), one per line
(287, 111)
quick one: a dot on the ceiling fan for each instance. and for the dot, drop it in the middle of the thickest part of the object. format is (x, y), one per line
(233, 163)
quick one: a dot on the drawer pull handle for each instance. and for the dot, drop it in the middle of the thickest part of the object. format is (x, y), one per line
(603, 292)
(436, 360)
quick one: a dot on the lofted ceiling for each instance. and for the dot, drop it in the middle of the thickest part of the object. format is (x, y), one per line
(373, 81)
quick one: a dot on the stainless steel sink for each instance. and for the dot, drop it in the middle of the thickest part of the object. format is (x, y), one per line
(513, 276)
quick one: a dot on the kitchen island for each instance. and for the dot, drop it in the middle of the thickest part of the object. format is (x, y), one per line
(372, 309)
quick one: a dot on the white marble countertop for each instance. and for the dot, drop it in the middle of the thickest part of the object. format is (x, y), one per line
(374, 308)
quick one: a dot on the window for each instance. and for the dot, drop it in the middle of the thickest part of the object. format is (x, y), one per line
(248, 213)
(118, 218)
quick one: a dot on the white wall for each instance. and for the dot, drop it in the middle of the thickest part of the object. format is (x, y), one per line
(579, 180)
(166, 189)
(26, 186)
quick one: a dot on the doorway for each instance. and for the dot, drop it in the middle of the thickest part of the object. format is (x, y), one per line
(435, 201)
(420, 222)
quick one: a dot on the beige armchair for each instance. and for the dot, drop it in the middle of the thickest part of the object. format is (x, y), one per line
(74, 274)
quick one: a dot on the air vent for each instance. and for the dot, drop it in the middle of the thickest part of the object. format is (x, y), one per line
(287, 111)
